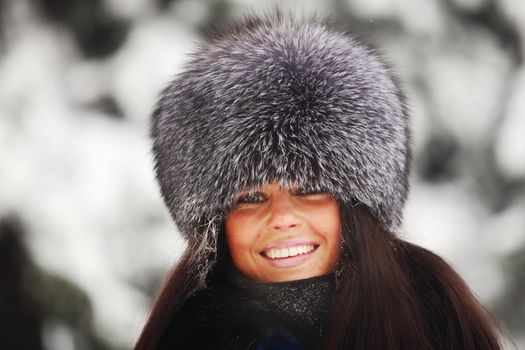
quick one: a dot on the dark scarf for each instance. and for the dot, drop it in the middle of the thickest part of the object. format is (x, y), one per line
(299, 306)
(236, 313)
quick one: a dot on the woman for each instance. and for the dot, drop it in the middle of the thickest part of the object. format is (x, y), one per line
(283, 153)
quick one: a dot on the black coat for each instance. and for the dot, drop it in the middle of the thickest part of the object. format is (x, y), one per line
(251, 316)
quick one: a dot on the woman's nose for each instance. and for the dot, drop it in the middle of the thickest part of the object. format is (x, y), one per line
(283, 215)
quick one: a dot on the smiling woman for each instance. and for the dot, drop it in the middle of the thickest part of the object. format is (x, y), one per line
(283, 153)
(276, 234)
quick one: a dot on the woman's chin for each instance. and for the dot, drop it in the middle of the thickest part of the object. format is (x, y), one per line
(285, 273)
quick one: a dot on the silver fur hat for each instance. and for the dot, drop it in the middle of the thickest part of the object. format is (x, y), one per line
(286, 100)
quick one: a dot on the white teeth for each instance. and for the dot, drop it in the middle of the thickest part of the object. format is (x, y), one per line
(277, 253)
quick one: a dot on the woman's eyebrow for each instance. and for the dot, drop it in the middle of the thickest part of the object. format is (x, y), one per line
(249, 191)
(301, 187)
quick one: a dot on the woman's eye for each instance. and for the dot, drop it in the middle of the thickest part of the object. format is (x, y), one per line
(307, 191)
(250, 198)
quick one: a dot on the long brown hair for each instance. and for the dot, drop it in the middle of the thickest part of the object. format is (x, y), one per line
(390, 294)
(397, 295)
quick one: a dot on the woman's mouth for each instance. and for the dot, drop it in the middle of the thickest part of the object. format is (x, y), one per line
(289, 254)
(280, 253)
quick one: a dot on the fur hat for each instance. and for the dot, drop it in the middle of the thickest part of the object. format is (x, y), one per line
(286, 100)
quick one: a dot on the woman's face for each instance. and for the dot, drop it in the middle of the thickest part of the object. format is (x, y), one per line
(277, 234)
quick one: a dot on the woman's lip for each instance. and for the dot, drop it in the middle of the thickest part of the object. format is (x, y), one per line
(289, 243)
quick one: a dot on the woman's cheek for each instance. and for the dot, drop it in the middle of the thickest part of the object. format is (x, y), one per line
(240, 234)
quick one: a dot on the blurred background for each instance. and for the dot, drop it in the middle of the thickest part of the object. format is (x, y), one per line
(85, 239)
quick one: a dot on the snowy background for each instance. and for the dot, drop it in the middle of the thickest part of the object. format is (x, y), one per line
(85, 239)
